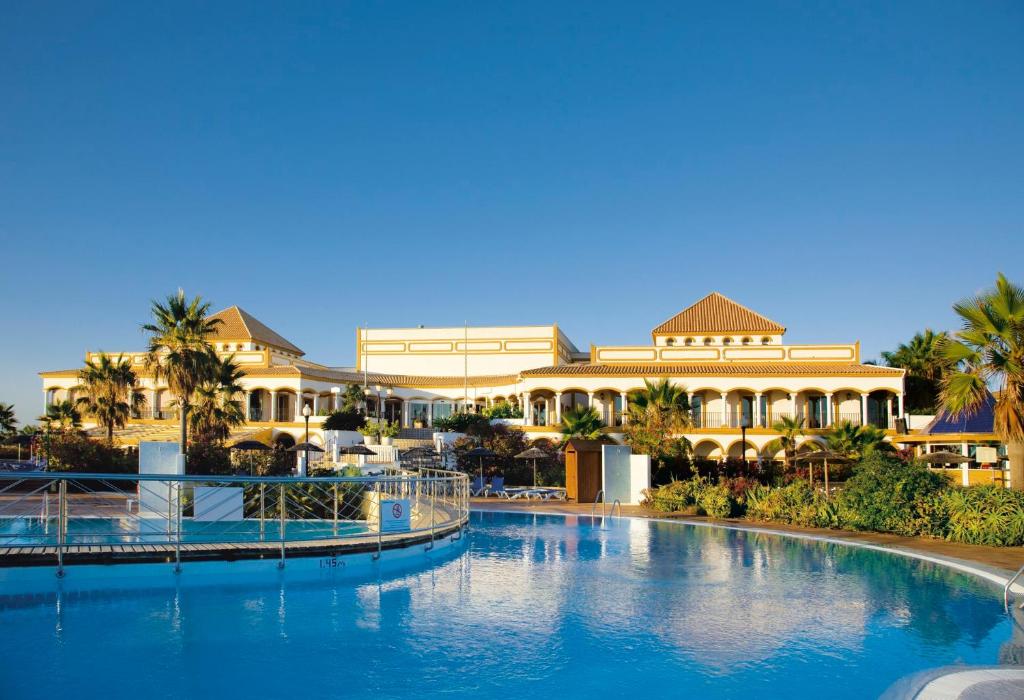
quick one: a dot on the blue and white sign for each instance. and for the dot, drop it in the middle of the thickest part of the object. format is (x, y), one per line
(394, 515)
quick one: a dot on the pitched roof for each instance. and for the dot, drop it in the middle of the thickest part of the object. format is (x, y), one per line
(716, 369)
(980, 421)
(238, 324)
(718, 314)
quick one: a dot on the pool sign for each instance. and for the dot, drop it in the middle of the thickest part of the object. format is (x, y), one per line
(394, 515)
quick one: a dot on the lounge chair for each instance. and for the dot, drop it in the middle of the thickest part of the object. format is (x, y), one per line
(476, 486)
(497, 487)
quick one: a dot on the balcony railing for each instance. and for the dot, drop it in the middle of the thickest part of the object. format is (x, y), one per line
(155, 414)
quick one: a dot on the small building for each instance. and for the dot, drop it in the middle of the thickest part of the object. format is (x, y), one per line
(583, 470)
(971, 435)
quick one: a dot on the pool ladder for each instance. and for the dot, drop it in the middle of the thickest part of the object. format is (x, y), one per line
(1006, 589)
(604, 513)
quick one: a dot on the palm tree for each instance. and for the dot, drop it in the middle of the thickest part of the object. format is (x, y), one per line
(7, 419)
(61, 416)
(179, 351)
(110, 396)
(989, 350)
(662, 394)
(926, 365)
(790, 430)
(581, 422)
(216, 407)
(352, 398)
(857, 441)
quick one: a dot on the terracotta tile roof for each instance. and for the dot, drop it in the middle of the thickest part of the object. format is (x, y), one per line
(718, 314)
(238, 324)
(716, 369)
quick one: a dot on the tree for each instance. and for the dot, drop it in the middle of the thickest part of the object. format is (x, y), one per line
(61, 416)
(581, 422)
(179, 351)
(109, 387)
(216, 408)
(656, 416)
(352, 398)
(989, 351)
(790, 429)
(857, 441)
(926, 365)
(7, 419)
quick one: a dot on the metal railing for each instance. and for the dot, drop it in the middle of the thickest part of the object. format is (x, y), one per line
(1006, 588)
(44, 515)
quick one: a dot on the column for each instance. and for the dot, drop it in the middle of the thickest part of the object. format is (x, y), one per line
(689, 402)
(430, 413)
(625, 407)
(527, 409)
(247, 407)
(725, 409)
(757, 423)
(965, 474)
(273, 406)
(154, 408)
(298, 405)
(558, 407)
(863, 409)
(406, 423)
(316, 403)
(46, 399)
(829, 417)
(899, 405)
(888, 408)
(590, 400)
(792, 402)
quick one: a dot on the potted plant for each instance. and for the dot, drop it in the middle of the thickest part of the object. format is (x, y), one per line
(388, 432)
(370, 432)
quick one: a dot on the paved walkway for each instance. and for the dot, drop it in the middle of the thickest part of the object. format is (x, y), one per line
(1003, 560)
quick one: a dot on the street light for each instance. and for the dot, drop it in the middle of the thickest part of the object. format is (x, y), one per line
(306, 413)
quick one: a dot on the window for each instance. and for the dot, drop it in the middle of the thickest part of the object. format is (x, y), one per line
(747, 341)
(670, 342)
(766, 341)
(708, 341)
(726, 341)
(689, 341)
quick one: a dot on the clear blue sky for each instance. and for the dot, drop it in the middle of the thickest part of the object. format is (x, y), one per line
(848, 169)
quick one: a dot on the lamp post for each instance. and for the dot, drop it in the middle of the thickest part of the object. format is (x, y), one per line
(306, 412)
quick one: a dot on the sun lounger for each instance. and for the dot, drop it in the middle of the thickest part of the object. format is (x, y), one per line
(497, 487)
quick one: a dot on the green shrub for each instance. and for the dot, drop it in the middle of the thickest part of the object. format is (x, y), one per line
(796, 504)
(989, 515)
(504, 410)
(888, 495)
(469, 423)
(675, 496)
(716, 501)
(344, 420)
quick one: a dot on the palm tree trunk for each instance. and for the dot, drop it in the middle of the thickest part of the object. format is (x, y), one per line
(1015, 451)
(184, 428)
(110, 434)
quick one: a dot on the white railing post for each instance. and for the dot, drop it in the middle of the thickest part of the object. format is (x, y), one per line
(62, 518)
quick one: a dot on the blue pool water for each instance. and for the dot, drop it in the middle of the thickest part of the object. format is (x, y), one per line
(538, 606)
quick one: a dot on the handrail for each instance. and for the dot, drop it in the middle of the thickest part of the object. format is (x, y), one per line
(1006, 589)
(181, 514)
(618, 503)
(239, 479)
(593, 508)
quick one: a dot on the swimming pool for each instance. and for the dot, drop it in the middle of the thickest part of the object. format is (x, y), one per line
(22, 531)
(543, 606)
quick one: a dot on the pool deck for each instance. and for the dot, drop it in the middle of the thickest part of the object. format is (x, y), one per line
(1002, 560)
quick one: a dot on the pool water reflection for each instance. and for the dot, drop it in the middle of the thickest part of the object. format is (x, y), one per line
(542, 606)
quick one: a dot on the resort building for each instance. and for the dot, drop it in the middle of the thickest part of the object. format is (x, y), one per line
(734, 364)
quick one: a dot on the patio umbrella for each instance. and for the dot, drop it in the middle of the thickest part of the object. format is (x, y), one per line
(481, 452)
(825, 456)
(533, 453)
(944, 458)
(357, 450)
(305, 447)
(250, 446)
(20, 440)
